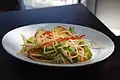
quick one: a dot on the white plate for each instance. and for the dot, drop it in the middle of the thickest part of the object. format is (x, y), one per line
(12, 41)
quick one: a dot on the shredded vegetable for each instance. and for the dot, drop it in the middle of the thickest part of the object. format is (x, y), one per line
(59, 45)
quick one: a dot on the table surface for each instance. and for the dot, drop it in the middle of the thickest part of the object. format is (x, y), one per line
(14, 69)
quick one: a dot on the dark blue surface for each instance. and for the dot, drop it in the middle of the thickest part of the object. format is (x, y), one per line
(15, 69)
(75, 14)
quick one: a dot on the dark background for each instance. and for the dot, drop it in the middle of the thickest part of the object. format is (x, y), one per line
(9, 5)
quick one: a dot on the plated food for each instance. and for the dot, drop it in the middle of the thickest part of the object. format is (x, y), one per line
(59, 45)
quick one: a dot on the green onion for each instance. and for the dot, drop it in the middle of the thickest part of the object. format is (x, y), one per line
(71, 29)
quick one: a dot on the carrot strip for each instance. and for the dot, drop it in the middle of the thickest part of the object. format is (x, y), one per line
(47, 32)
(63, 39)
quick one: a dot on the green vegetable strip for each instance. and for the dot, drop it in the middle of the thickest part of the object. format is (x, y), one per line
(58, 45)
(46, 56)
(70, 50)
(65, 57)
(31, 40)
(59, 51)
(88, 51)
(23, 49)
(71, 29)
(24, 42)
(54, 55)
(75, 60)
(49, 49)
